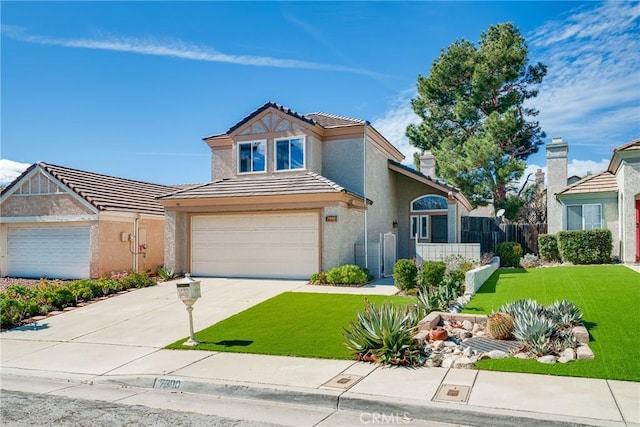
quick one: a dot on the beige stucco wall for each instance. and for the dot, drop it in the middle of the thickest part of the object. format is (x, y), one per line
(221, 163)
(557, 153)
(43, 205)
(628, 178)
(314, 155)
(175, 241)
(342, 163)
(381, 190)
(339, 238)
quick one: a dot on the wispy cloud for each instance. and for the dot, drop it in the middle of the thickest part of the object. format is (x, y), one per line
(10, 170)
(393, 123)
(175, 49)
(591, 95)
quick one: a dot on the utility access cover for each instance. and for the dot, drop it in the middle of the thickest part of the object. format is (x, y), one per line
(453, 393)
(343, 381)
(485, 345)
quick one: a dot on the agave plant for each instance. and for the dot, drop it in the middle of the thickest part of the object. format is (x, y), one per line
(386, 332)
(531, 328)
(522, 308)
(541, 345)
(565, 313)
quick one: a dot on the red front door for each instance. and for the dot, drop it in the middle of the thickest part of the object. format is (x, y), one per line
(637, 230)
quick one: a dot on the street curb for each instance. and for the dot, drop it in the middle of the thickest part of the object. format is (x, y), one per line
(354, 402)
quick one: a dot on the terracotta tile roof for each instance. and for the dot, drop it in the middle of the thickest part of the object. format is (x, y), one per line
(269, 185)
(598, 183)
(327, 120)
(109, 193)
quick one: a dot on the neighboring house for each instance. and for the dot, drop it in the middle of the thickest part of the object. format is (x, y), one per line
(609, 200)
(58, 222)
(294, 194)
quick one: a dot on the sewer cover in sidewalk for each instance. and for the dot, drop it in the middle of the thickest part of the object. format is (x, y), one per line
(453, 393)
(343, 381)
(485, 345)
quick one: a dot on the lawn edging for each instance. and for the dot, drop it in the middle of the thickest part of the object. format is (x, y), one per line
(475, 278)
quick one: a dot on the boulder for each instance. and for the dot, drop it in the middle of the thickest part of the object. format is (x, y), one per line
(463, 363)
(584, 353)
(569, 353)
(581, 334)
(549, 359)
(467, 352)
(448, 361)
(563, 359)
(466, 324)
(497, 354)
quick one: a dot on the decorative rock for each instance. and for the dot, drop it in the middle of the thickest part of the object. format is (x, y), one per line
(480, 334)
(549, 359)
(476, 328)
(450, 344)
(568, 353)
(433, 362)
(581, 334)
(497, 354)
(467, 352)
(448, 361)
(584, 353)
(461, 333)
(421, 336)
(430, 321)
(467, 325)
(521, 355)
(564, 359)
(463, 363)
(437, 345)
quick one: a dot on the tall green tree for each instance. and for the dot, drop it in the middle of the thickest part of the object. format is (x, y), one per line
(473, 117)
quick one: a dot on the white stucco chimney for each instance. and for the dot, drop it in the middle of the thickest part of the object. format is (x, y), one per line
(539, 181)
(428, 164)
(557, 153)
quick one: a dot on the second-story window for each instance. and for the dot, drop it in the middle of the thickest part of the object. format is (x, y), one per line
(251, 156)
(289, 154)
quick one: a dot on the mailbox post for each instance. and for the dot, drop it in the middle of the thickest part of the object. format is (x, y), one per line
(189, 292)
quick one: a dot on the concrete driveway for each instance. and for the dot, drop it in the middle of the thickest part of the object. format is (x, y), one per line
(130, 329)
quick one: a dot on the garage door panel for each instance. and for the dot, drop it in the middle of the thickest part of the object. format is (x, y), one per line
(60, 252)
(283, 245)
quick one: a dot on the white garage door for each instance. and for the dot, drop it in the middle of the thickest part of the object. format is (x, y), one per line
(284, 245)
(52, 252)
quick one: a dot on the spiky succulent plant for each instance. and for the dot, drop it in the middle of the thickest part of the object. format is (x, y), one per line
(522, 307)
(564, 313)
(501, 326)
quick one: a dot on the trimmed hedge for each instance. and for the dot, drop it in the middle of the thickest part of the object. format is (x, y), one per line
(509, 253)
(548, 248)
(405, 274)
(585, 246)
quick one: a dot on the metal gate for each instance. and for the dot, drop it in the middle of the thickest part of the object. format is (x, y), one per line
(389, 256)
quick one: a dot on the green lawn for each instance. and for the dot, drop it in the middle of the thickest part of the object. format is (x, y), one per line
(609, 297)
(290, 324)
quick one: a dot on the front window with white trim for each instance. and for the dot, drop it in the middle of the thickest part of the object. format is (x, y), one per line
(289, 154)
(419, 226)
(584, 217)
(251, 156)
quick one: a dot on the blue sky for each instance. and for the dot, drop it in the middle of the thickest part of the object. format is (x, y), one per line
(129, 89)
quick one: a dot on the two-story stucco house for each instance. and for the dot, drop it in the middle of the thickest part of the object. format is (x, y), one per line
(294, 194)
(607, 200)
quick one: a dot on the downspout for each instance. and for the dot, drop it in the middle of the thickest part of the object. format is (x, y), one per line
(136, 242)
(364, 191)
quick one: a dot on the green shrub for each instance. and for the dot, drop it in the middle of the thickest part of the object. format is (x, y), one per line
(348, 274)
(166, 273)
(548, 248)
(431, 274)
(509, 253)
(454, 280)
(136, 280)
(585, 246)
(11, 311)
(405, 274)
(385, 333)
(318, 278)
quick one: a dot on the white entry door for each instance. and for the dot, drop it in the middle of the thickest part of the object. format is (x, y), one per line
(51, 252)
(269, 245)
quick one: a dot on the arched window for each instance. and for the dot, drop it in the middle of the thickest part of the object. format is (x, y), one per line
(429, 203)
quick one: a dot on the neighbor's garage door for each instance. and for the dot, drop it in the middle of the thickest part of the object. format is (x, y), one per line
(284, 245)
(52, 252)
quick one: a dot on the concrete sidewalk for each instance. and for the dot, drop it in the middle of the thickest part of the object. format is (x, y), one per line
(119, 342)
